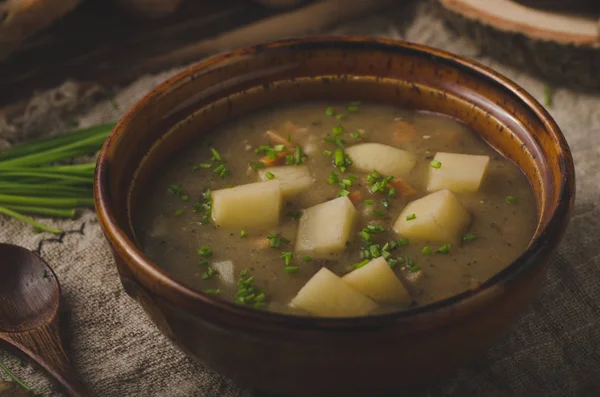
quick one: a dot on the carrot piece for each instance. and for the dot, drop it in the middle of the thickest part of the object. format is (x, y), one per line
(404, 132)
(279, 160)
(275, 138)
(403, 189)
(259, 242)
(355, 196)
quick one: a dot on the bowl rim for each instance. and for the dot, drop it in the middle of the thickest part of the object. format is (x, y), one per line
(164, 284)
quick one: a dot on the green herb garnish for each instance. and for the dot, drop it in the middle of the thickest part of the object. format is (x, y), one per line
(291, 269)
(368, 202)
(333, 178)
(340, 116)
(179, 212)
(269, 175)
(198, 167)
(243, 233)
(435, 164)
(337, 130)
(426, 250)
(356, 135)
(329, 111)
(205, 251)
(287, 257)
(209, 273)
(210, 291)
(327, 152)
(360, 264)
(177, 190)
(215, 155)
(469, 237)
(511, 199)
(444, 249)
(411, 217)
(275, 240)
(256, 165)
(307, 259)
(343, 193)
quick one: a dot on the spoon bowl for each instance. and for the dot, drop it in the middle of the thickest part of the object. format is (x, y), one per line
(29, 290)
(29, 307)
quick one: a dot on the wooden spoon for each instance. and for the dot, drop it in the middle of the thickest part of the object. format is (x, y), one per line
(29, 301)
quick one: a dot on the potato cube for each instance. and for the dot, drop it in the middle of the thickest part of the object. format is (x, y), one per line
(378, 281)
(255, 206)
(326, 294)
(461, 173)
(438, 217)
(293, 179)
(386, 160)
(325, 228)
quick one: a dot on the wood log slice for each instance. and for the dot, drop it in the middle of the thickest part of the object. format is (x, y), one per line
(562, 48)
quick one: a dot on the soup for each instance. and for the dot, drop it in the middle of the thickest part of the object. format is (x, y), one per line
(336, 210)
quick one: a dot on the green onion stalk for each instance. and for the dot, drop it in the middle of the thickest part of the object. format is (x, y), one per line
(34, 180)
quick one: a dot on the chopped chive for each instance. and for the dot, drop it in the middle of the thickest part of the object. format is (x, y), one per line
(379, 213)
(368, 202)
(298, 155)
(511, 199)
(201, 166)
(275, 240)
(360, 264)
(244, 272)
(444, 249)
(289, 159)
(211, 271)
(415, 268)
(243, 233)
(205, 251)
(333, 178)
(365, 235)
(307, 259)
(216, 156)
(353, 107)
(179, 212)
(337, 130)
(210, 291)
(426, 250)
(411, 217)
(340, 116)
(176, 190)
(435, 164)
(45, 273)
(356, 135)
(185, 198)
(469, 237)
(327, 152)
(339, 157)
(347, 182)
(392, 192)
(219, 168)
(291, 269)
(403, 241)
(257, 165)
(270, 175)
(279, 148)
(329, 111)
(343, 193)
(287, 257)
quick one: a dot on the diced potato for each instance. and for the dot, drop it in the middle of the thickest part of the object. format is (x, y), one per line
(326, 294)
(254, 206)
(324, 229)
(293, 179)
(438, 217)
(461, 173)
(378, 281)
(386, 160)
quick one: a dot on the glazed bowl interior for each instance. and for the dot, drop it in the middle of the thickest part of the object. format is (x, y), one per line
(408, 76)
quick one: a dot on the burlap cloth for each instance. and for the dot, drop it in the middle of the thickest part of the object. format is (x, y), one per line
(553, 351)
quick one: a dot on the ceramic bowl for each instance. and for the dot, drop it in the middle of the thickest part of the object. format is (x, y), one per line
(327, 356)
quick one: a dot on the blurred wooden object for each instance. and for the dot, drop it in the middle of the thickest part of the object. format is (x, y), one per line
(152, 8)
(97, 43)
(20, 19)
(561, 47)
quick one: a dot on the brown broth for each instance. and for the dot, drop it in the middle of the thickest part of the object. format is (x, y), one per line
(503, 230)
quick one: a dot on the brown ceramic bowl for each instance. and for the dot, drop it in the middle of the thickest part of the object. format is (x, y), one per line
(328, 356)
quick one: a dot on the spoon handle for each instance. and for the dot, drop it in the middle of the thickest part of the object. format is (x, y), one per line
(43, 345)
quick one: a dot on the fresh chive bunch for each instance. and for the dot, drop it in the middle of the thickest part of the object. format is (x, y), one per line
(33, 181)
